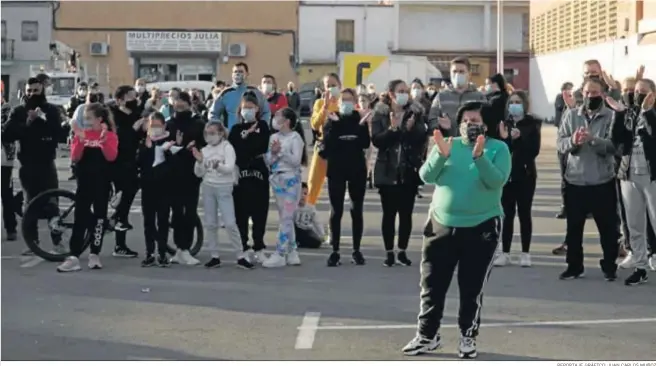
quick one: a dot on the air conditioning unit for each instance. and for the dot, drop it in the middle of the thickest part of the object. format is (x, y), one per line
(237, 50)
(98, 49)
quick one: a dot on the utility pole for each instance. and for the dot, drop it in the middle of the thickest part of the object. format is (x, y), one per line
(500, 36)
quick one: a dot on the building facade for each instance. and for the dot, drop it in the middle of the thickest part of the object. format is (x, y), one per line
(414, 28)
(620, 34)
(26, 38)
(172, 41)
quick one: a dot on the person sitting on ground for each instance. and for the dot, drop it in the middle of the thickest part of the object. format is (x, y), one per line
(309, 231)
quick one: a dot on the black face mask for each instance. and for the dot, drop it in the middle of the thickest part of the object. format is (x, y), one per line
(183, 114)
(93, 98)
(593, 103)
(474, 130)
(132, 105)
(628, 99)
(35, 100)
(639, 99)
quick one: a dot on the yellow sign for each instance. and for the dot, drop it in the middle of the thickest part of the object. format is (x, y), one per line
(356, 68)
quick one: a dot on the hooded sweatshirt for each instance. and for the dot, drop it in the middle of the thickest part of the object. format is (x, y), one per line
(447, 102)
(128, 137)
(182, 162)
(226, 105)
(250, 149)
(218, 165)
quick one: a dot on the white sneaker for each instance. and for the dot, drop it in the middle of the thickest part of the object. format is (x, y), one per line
(293, 259)
(467, 348)
(259, 257)
(503, 259)
(628, 261)
(59, 249)
(71, 264)
(419, 345)
(652, 262)
(525, 260)
(188, 259)
(94, 261)
(275, 260)
(176, 257)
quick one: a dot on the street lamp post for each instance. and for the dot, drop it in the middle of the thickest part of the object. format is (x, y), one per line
(500, 36)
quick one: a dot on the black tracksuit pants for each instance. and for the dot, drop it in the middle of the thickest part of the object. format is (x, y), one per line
(472, 250)
(517, 198)
(8, 201)
(38, 178)
(156, 208)
(184, 208)
(125, 177)
(337, 186)
(307, 238)
(251, 198)
(89, 194)
(397, 200)
(651, 238)
(601, 201)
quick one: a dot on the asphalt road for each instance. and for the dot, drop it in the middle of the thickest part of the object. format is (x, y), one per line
(125, 312)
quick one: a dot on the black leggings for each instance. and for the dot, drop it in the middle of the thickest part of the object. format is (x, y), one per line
(184, 207)
(92, 193)
(8, 201)
(251, 199)
(156, 215)
(397, 199)
(126, 181)
(337, 185)
(517, 198)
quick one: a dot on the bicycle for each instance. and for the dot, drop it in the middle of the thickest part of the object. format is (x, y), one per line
(59, 225)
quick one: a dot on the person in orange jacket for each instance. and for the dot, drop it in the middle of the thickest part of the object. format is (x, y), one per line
(323, 106)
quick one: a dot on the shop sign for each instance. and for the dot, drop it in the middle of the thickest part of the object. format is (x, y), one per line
(181, 41)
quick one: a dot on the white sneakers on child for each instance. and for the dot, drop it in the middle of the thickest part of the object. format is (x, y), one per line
(184, 257)
(276, 260)
(293, 259)
(504, 259)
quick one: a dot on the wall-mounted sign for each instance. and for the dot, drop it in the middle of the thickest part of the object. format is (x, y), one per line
(173, 41)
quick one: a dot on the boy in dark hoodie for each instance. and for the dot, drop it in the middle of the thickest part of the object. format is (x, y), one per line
(250, 139)
(187, 131)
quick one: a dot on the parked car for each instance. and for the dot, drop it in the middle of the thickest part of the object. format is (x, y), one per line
(307, 96)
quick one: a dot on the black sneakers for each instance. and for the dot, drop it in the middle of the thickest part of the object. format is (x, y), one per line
(357, 258)
(149, 261)
(390, 261)
(245, 263)
(402, 258)
(124, 252)
(334, 260)
(572, 274)
(11, 236)
(163, 261)
(215, 262)
(638, 277)
(610, 276)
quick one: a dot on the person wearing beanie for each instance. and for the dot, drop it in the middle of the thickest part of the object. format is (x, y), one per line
(250, 139)
(216, 166)
(187, 131)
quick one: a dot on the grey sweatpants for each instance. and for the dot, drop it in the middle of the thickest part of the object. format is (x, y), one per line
(639, 196)
(219, 199)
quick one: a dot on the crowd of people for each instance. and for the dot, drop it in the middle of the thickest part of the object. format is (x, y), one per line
(246, 143)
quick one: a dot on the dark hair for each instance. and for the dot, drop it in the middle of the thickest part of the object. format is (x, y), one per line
(593, 81)
(158, 116)
(304, 185)
(82, 84)
(566, 85)
(242, 64)
(102, 112)
(500, 81)
(31, 81)
(42, 78)
(468, 107)
(417, 81)
(386, 97)
(175, 89)
(219, 83)
(592, 62)
(348, 91)
(295, 125)
(462, 61)
(122, 91)
(525, 101)
(332, 75)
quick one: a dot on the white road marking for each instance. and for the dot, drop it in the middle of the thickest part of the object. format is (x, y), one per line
(307, 331)
(492, 325)
(32, 262)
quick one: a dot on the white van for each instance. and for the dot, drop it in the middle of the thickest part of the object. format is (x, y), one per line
(205, 87)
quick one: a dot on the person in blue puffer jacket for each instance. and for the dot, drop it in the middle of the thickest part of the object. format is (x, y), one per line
(226, 105)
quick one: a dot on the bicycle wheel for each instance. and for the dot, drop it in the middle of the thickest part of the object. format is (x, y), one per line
(197, 244)
(59, 228)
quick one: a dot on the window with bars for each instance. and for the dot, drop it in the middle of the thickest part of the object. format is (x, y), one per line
(344, 36)
(30, 31)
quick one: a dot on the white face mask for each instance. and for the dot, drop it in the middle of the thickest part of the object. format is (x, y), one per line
(415, 92)
(213, 139)
(267, 88)
(276, 124)
(156, 131)
(140, 89)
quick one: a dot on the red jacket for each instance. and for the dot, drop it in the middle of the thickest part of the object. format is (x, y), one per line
(108, 147)
(277, 101)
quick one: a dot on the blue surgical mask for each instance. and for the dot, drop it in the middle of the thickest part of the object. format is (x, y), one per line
(459, 80)
(402, 99)
(87, 124)
(346, 108)
(248, 114)
(334, 91)
(415, 92)
(516, 110)
(488, 88)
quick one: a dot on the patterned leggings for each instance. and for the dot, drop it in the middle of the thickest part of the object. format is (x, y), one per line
(287, 190)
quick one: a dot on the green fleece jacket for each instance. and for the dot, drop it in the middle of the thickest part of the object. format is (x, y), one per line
(467, 190)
